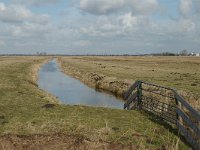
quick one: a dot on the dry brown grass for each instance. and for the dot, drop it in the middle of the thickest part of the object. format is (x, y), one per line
(26, 124)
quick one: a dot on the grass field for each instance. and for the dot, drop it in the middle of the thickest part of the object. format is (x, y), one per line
(25, 124)
(181, 73)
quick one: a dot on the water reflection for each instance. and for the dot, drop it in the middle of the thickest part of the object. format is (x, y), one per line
(72, 91)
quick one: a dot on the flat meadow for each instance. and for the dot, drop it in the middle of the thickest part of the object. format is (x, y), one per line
(180, 73)
(25, 123)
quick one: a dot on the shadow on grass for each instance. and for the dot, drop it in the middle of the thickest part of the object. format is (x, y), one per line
(170, 127)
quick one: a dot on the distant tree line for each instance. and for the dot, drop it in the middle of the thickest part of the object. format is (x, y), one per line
(165, 54)
(41, 53)
(181, 53)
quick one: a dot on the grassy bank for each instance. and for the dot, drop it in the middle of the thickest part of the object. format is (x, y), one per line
(116, 74)
(26, 123)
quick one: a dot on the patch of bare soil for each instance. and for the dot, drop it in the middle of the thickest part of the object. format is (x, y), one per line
(54, 142)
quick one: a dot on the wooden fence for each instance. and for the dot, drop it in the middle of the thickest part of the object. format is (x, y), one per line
(168, 105)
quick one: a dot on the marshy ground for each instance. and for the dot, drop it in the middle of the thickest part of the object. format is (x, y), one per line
(26, 122)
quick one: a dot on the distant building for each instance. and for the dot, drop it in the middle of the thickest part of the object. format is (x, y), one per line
(191, 54)
(194, 54)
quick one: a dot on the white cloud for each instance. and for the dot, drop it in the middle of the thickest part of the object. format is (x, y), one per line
(177, 30)
(2, 42)
(100, 7)
(185, 7)
(128, 20)
(186, 25)
(123, 25)
(196, 4)
(19, 14)
(2, 7)
(30, 30)
(35, 2)
(145, 6)
(21, 27)
(116, 25)
(82, 43)
(13, 13)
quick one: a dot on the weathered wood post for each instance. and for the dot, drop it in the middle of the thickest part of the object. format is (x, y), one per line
(128, 107)
(139, 95)
(178, 105)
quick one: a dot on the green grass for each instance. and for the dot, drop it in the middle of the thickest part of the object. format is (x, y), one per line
(22, 113)
(181, 73)
(177, 72)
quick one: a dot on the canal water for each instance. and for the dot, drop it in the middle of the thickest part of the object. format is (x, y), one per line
(72, 91)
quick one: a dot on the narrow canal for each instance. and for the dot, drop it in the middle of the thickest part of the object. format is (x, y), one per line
(72, 91)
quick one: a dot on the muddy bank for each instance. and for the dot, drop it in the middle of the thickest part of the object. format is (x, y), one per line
(98, 81)
(55, 141)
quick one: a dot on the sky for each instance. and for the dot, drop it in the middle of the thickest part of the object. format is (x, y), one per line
(99, 26)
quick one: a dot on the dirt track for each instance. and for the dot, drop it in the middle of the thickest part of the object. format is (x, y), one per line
(52, 142)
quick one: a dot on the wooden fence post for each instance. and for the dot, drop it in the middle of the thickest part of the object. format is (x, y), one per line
(178, 105)
(139, 95)
(182, 113)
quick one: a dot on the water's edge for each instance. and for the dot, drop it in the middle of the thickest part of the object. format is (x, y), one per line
(72, 91)
(98, 89)
(35, 77)
(117, 91)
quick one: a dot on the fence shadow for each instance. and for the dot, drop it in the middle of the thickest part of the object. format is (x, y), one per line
(158, 120)
(166, 107)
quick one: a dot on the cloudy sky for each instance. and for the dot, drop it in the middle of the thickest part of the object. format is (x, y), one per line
(99, 26)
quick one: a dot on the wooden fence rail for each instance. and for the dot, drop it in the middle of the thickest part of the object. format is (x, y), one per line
(169, 105)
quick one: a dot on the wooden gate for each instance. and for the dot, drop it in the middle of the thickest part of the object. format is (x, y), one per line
(168, 105)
